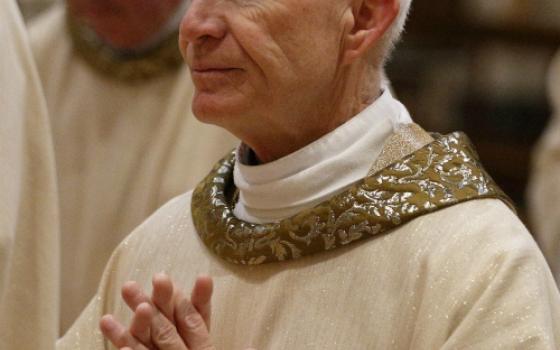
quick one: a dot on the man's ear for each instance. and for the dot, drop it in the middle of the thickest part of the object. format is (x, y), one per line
(372, 18)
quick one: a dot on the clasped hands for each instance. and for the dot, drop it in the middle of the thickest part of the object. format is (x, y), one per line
(167, 321)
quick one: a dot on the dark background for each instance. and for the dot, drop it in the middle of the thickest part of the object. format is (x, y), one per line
(464, 67)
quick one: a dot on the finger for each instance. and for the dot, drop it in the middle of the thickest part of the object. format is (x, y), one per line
(164, 334)
(201, 298)
(162, 295)
(191, 325)
(133, 295)
(117, 334)
(141, 322)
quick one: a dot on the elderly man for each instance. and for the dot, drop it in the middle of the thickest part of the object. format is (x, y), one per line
(124, 136)
(338, 223)
(544, 189)
(28, 205)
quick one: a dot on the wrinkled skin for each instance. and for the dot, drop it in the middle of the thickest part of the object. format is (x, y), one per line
(167, 320)
(280, 74)
(124, 24)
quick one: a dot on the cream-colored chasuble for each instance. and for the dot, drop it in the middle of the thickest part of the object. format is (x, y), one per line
(467, 276)
(122, 150)
(28, 207)
(544, 187)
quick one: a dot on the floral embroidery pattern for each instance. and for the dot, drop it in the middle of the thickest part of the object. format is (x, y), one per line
(443, 173)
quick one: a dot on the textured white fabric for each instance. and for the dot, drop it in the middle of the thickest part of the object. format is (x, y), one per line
(122, 150)
(467, 277)
(28, 206)
(544, 187)
(305, 178)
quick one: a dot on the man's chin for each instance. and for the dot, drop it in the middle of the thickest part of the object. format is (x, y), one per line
(213, 110)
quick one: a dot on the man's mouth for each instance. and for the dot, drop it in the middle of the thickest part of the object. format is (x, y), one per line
(214, 70)
(213, 73)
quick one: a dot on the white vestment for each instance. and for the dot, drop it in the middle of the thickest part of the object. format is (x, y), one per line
(466, 277)
(28, 207)
(122, 150)
(544, 187)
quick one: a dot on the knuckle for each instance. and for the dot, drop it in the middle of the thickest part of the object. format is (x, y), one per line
(121, 340)
(194, 321)
(165, 335)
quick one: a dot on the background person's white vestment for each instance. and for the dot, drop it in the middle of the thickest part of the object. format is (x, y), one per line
(28, 208)
(544, 188)
(122, 150)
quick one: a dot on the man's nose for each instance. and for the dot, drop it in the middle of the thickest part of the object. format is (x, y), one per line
(202, 21)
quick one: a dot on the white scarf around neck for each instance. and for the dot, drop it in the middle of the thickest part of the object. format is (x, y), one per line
(280, 189)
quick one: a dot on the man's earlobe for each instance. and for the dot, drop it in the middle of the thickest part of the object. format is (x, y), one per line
(372, 19)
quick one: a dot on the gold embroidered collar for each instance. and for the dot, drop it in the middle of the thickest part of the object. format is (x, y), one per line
(129, 67)
(443, 173)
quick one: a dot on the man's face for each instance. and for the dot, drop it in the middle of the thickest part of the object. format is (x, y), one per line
(249, 57)
(124, 24)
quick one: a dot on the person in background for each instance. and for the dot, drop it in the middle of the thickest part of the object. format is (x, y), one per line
(124, 135)
(31, 8)
(544, 185)
(29, 242)
(338, 223)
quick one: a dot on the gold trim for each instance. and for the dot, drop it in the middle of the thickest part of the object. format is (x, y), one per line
(443, 173)
(407, 139)
(128, 67)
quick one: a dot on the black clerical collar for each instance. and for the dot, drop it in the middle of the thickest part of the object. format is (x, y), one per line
(247, 156)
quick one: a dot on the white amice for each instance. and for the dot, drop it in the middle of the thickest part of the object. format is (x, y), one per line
(282, 188)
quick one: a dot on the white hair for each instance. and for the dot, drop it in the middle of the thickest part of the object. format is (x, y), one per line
(382, 51)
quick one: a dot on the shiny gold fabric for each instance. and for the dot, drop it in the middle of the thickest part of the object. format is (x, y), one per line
(407, 139)
(441, 174)
(162, 59)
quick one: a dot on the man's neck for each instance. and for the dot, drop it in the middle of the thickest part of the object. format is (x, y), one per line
(318, 171)
(351, 98)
